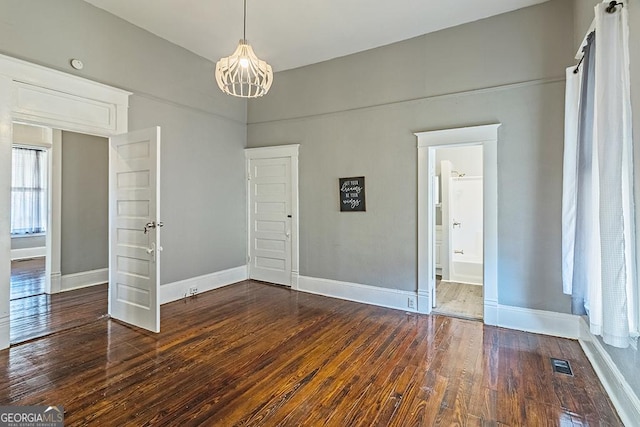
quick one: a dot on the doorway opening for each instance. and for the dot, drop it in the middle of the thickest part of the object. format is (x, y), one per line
(59, 259)
(485, 137)
(459, 238)
(30, 151)
(44, 97)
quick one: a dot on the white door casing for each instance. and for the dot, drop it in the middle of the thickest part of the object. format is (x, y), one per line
(34, 94)
(134, 228)
(273, 214)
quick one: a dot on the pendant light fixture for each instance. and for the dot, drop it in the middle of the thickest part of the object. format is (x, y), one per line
(242, 74)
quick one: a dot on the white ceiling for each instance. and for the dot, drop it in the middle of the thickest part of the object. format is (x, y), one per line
(293, 33)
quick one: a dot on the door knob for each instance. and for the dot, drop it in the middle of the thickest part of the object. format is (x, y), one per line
(151, 225)
(152, 251)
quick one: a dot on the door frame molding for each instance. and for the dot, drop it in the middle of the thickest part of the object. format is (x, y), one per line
(42, 96)
(291, 151)
(487, 137)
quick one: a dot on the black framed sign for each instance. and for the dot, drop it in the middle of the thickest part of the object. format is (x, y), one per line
(352, 194)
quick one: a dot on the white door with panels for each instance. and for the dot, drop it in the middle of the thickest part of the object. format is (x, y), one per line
(270, 219)
(134, 228)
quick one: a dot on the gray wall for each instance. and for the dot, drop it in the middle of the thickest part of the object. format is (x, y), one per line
(203, 130)
(627, 360)
(28, 242)
(356, 115)
(466, 160)
(85, 203)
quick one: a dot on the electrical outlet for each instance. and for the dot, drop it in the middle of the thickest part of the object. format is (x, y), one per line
(411, 303)
(193, 291)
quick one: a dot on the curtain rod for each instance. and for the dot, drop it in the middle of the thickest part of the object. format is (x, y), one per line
(612, 8)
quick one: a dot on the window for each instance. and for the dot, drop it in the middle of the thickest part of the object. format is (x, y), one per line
(28, 191)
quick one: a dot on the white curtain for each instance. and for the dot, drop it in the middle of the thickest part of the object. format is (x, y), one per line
(28, 191)
(598, 254)
(570, 175)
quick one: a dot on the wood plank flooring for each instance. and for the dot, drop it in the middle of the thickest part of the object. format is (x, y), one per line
(459, 299)
(34, 314)
(41, 315)
(254, 354)
(27, 277)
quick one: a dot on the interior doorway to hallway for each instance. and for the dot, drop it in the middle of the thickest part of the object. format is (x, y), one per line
(459, 241)
(429, 189)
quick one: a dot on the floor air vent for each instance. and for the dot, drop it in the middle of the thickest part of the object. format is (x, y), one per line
(561, 366)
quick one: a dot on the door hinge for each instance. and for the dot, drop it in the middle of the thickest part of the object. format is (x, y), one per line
(249, 258)
(248, 177)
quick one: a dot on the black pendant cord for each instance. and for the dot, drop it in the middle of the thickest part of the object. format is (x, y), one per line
(244, 28)
(612, 6)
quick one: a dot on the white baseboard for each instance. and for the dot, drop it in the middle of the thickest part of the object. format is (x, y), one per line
(626, 402)
(374, 295)
(208, 282)
(56, 282)
(26, 253)
(84, 279)
(538, 321)
(490, 316)
(620, 392)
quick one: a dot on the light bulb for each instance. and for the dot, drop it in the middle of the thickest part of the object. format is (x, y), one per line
(244, 62)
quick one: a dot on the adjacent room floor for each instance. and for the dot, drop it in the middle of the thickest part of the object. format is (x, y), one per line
(35, 314)
(255, 354)
(27, 277)
(459, 299)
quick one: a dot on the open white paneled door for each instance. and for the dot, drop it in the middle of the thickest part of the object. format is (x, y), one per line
(134, 228)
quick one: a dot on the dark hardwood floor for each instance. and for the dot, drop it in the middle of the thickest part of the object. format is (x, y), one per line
(254, 354)
(34, 314)
(27, 277)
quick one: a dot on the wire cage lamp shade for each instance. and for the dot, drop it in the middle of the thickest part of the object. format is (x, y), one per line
(242, 74)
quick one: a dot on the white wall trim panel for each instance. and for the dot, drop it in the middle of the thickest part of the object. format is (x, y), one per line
(69, 282)
(44, 96)
(207, 282)
(50, 106)
(374, 295)
(37, 75)
(26, 253)
(626, 402)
